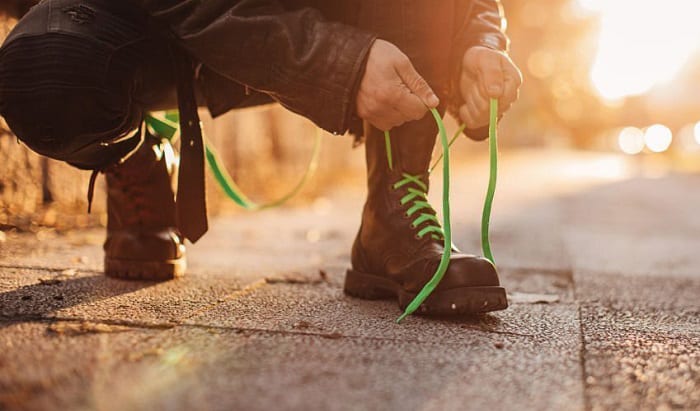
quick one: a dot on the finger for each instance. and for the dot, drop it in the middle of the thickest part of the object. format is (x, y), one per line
(472, 118)
(409, 105)
(490, 74)
(466, 116)
(467, 84)
(477, 104)
(480, 100)
(382, 116)
(389, 118)
(510, 91)
(416, 83)
(479, 114)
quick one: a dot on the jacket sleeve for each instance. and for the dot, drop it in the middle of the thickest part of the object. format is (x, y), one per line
(484, 25)
(310, 65)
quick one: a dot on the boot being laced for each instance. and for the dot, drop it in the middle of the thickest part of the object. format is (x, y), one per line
(400, 242)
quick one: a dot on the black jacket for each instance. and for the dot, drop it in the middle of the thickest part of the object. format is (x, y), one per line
(293, 54)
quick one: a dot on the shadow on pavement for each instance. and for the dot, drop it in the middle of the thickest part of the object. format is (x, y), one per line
(38, 301)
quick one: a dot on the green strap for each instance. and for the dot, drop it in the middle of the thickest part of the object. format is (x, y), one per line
(166, 125)
(447, 227)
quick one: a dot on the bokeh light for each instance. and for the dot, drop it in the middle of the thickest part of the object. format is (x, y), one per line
(696, 132)
(658, 138)
(631, 140)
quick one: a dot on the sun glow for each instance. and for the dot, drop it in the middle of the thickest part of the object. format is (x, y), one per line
(642, 43)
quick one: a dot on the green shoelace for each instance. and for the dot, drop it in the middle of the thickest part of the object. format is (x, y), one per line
(419, 197)
(446, 231)
(166, 125)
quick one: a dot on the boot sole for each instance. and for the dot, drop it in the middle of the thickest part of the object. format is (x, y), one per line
(457, 301)
(145, 270)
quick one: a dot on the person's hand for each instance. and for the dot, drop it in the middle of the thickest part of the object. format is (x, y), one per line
(391, 91)
(486, 74)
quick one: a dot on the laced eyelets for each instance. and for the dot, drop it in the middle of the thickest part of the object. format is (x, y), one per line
(417, 201)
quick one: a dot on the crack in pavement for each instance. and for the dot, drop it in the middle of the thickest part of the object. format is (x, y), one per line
(517, 270)
(48, 269)
(582, 348)
(168, 326)
(582, 360)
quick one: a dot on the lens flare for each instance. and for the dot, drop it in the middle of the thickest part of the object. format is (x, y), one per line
(642, 43)
(631, 140)
(658, 138)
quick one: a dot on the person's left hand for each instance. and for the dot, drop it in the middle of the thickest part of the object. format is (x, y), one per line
(486, 74)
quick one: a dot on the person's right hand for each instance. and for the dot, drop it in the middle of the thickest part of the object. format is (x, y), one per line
(391, 91)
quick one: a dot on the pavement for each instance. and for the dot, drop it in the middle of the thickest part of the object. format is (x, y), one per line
(599, 254)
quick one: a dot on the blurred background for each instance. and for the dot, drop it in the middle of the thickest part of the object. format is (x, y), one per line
(617, 79)
(607, 75)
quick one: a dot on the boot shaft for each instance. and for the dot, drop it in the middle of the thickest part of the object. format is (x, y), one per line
(411, 148)
(140, 193)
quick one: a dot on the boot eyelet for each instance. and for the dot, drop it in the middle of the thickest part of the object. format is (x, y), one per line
(417, 237)
(406, 215)
(413, 225)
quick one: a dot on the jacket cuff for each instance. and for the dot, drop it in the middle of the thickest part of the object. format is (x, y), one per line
(353, 123)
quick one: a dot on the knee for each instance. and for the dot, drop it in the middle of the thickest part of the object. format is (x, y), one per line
(55, 98)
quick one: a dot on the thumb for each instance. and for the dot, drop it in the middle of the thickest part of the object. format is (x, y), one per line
(416, 83)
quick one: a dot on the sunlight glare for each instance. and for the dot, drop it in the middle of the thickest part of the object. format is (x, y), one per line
(696, 132)
(642, 43)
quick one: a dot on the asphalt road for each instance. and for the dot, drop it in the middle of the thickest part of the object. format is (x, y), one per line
(599, 255)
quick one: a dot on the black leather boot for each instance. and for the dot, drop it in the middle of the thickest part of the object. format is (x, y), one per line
(400, 242)
(143, 242)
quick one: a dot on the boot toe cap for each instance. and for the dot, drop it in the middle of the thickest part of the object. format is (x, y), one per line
(470, 271)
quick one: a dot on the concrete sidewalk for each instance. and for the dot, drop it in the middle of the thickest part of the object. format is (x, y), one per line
(600, 262)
